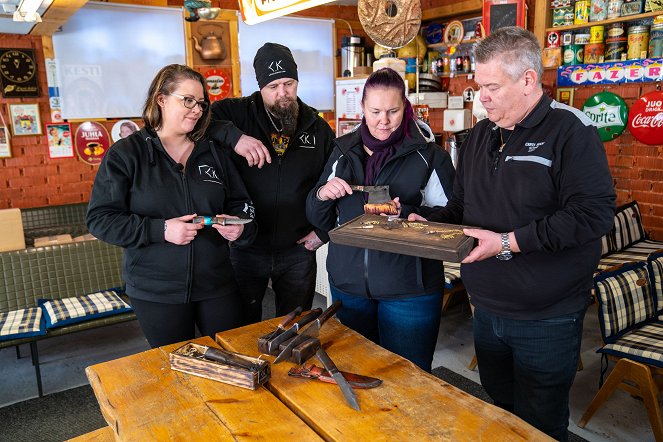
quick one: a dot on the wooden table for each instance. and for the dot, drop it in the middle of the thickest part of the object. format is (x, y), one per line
(142, 399)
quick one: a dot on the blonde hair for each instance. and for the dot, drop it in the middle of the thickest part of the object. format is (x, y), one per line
(165, 82)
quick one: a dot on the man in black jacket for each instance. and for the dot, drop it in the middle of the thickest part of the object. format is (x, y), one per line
(298, 144)
(534, 175)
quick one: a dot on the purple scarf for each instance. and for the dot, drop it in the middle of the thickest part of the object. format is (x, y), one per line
(382, 150)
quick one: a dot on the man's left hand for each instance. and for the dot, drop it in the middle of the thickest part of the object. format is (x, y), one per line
(490, 244)
(311, 241)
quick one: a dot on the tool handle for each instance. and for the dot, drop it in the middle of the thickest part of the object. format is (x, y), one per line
(207, 220)
(309, 317)
(331, 311)
(228, 358)
(290, 316)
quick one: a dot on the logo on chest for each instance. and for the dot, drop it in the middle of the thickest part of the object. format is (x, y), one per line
(531, 147)
(208, 173)
(307, 140)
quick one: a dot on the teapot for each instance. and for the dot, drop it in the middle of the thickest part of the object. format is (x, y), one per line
(211, 48)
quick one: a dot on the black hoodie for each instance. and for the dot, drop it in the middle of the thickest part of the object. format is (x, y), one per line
(139, 186)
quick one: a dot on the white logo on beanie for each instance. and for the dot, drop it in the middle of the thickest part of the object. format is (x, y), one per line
(276, 68)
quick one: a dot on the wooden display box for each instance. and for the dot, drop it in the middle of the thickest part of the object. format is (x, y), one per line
(187, 359)
(425, 239)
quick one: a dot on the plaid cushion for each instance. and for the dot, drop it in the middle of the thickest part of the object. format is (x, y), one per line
(21, 323)
(60, 312)
(628, 226)
(626, 299)
(655, 263)
(451, 274)
(644, 344)
(608, 243)
(637, 252)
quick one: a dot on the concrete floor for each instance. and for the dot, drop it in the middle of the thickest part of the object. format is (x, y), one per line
(63, 362)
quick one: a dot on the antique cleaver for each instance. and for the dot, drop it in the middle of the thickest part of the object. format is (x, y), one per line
(376, 194)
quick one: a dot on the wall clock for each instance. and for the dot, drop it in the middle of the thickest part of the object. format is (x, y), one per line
(18, 73)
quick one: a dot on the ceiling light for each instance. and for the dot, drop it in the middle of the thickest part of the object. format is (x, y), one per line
(27, 11)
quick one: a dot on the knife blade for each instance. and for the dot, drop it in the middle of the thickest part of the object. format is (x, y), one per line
(329, 365)
(376, 194)
(310, 331)
(224, 221)
(285, 321)
(273, 345)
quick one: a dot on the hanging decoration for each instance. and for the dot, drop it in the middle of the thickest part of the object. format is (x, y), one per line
(645, 118)
(390, 23)
(92, 142)
(608, 111)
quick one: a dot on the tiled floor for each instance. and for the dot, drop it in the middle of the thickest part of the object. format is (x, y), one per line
(64, 359)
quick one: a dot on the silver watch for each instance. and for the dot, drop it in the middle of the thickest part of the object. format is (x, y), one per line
(505, 254)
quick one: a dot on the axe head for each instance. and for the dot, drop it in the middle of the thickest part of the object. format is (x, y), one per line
(376, 194)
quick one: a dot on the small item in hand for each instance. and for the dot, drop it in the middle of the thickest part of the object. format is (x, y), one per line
(209, 220)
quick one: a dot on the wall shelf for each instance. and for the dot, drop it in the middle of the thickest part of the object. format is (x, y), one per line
(626, 18)
(445, 45)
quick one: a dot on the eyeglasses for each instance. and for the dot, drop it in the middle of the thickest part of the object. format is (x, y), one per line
(190, 102)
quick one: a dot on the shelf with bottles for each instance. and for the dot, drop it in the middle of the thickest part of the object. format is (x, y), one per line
(438, 46)
(624, 18)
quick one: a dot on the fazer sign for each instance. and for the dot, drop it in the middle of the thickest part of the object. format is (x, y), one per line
(645, 118)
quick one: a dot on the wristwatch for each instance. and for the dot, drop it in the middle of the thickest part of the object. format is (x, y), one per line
(505, 254)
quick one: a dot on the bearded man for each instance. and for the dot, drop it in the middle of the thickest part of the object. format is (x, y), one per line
(281, 146)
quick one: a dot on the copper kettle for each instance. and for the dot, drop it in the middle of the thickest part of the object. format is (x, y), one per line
(211, 49)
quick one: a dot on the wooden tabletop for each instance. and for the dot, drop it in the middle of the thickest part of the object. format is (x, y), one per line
(141, 398)
(409, 405)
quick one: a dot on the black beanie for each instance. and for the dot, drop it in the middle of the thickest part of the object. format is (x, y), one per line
(274, 61)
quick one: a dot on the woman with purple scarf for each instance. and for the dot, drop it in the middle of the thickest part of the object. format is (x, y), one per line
(394, 300)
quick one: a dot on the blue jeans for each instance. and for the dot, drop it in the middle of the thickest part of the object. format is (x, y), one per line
(407, 327)
(292, 272)
(528, 366)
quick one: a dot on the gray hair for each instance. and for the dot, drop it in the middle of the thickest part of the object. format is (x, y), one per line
(517, 50)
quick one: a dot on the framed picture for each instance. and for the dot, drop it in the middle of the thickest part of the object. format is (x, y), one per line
(346, 125)
(60, 144)
(501, 13)
(5, 147)
(565, 95)
(25, 119)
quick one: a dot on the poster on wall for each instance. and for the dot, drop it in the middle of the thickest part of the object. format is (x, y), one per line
(60, 144)
(18, 73)
(25, 119)
(123, 129)
(5, 147)
(92, 142)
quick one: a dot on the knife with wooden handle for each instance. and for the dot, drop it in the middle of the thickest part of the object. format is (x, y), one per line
(329, 365)
(273, 345)
(263, 341)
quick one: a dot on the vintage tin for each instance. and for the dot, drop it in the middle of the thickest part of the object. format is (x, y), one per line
(638, 42)
(615, 30)
(656, 40)
(615, 49)
(582, 37)
(593, 53)
(596, 34)
(632, 7)
(552, 57)
(553, 39)
(614, 8)
(560, 3)
(567, 38)
(581, 12)
(598, 10)
(562, 16)
(572, 54)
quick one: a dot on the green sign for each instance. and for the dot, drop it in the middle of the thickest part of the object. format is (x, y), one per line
(609, 114)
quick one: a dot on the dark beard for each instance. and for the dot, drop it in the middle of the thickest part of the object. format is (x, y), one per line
(286, 115)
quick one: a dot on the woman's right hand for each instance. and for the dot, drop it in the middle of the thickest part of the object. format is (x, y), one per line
(334, 189)
(181, 230)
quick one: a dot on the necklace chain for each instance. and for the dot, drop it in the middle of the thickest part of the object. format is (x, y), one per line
(502, 140)
(273, 124)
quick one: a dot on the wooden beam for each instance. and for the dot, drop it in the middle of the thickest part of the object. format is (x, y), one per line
(463, 7)
(540, 20)
(56, 15)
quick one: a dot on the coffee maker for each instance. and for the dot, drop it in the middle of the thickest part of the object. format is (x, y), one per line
(352, 54)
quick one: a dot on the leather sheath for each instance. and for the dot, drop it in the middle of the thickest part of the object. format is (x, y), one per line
(311, 371)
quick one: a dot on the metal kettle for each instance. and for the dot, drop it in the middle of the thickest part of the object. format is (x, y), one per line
(211, 49)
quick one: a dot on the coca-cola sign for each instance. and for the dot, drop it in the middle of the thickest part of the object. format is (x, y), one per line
(645, 118)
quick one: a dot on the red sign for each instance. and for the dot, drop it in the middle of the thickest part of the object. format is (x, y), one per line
(92, 142)
(645, 118)
(218, 83)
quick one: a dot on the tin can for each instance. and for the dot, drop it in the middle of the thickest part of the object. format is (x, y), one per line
(656, 40)
(614, 8)
(638, 42)
(596, 34)
(593, 53)
(615, 49)
(581, 12)
(582, 38)
(632, 7)
(615, 30)
(562, 16)
(598, 10)
(567, 38)
(553, 39)
(572, 54)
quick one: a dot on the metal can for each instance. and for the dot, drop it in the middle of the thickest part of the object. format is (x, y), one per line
(553, 39)
(598, 10)
(572, 54)
(656, 40)
(582, 38)
(596, 34)
(562, 16)
(581, 12)
(615, 30)
(614, 8)
(567, 38)
(615, 49)
(593, 53)
(638, 42)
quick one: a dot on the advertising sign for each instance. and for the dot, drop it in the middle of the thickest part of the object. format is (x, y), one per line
(92, 142)
(608, 111)
(631, 71)
(645, 119)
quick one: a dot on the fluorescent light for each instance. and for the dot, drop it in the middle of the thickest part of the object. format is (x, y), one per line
(27, 11)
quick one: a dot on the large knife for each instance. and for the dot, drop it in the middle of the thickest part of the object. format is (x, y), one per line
(273, 345)
(376, 194)
(338, 377)
(310, 331)
(224, 221)
(281, 327)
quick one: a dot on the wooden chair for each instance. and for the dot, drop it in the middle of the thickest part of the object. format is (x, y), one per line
(632, 333)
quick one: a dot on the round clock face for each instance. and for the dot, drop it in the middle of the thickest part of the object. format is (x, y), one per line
(17, 66)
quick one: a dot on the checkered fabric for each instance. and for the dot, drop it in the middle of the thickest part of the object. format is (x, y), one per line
(655, 263)
(626, 300)
(628, 226)
(637, 252)
(451, 274)
(644, 344)
(608, 243)
(21, 323)
(59, 312)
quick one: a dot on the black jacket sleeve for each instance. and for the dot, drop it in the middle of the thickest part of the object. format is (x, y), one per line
(329, 148)
(322, 214)
(222, 128)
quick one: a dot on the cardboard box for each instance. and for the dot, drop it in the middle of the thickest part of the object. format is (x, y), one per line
(86, 237)
(53, 240)
(11, 226)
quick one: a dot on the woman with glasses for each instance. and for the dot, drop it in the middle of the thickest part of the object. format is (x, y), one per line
(149, 188)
